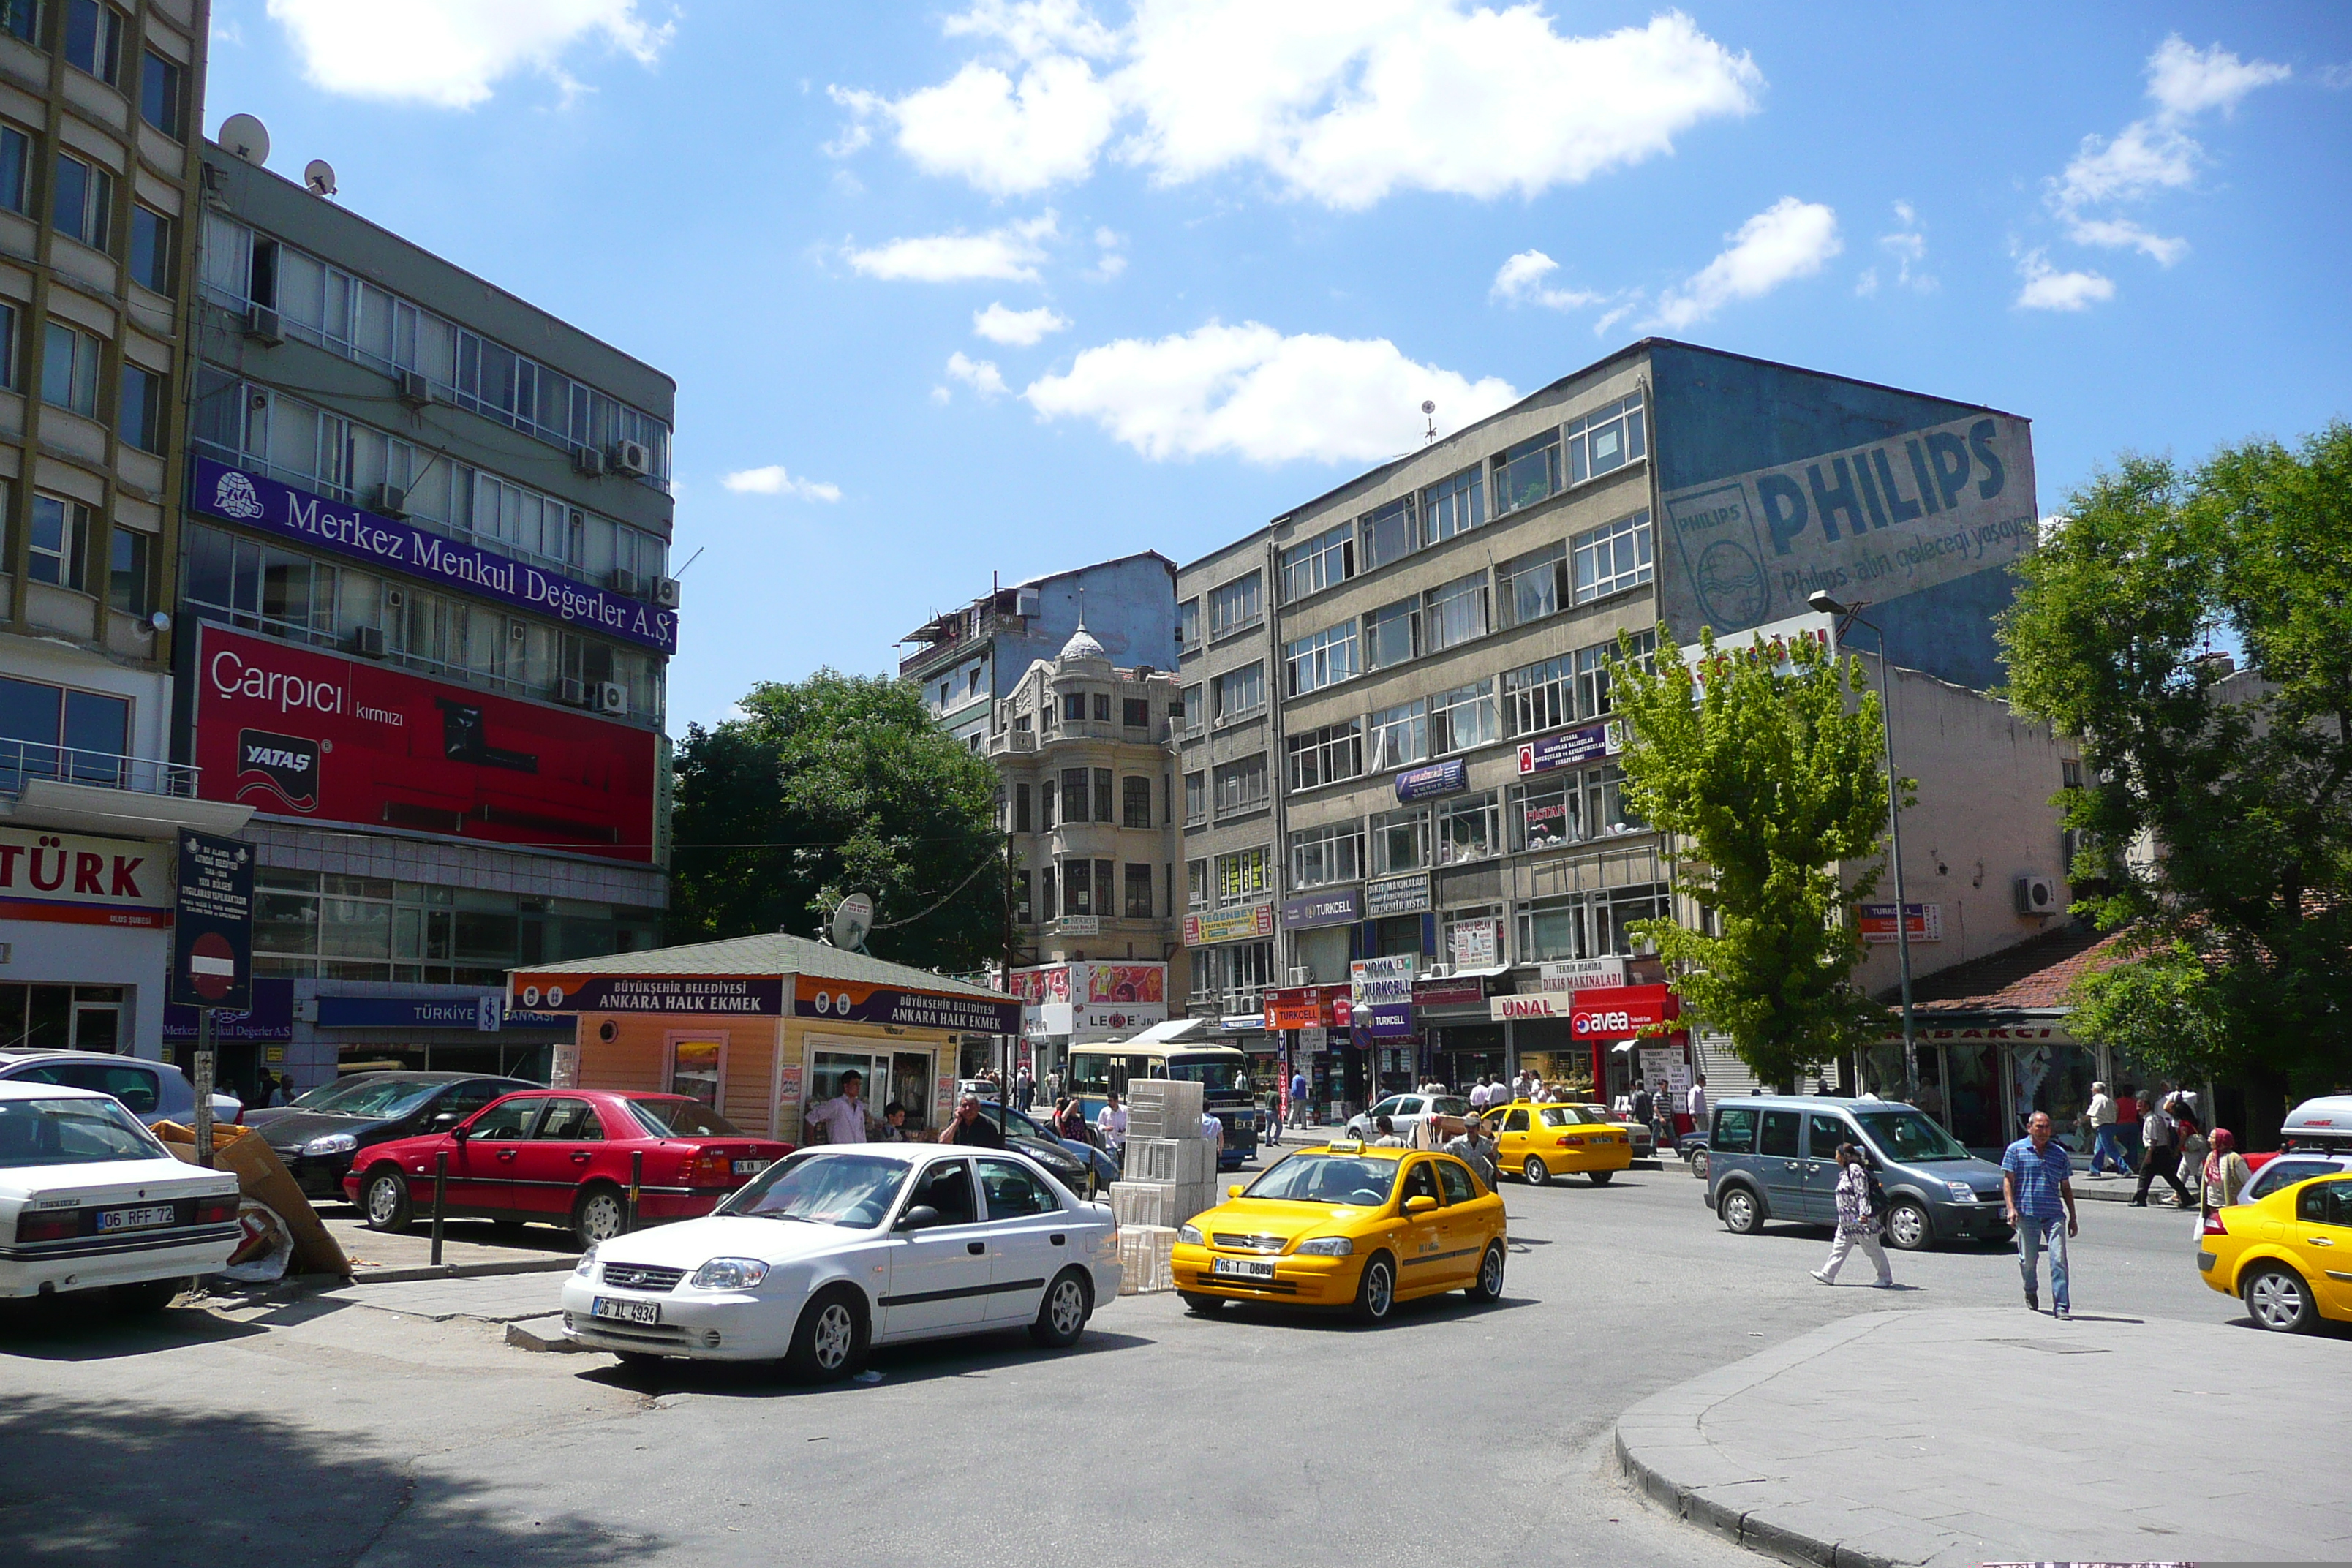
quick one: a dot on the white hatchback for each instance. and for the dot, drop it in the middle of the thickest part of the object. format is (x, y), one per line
(89, 1199)
(838, 1249)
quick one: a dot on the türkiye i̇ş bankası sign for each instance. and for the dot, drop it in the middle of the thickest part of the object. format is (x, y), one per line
(219, 490)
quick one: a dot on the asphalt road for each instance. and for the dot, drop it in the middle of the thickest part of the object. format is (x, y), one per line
(327, 1433)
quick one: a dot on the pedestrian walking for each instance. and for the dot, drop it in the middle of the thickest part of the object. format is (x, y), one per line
(1695, 1105)
(1024, 1091)
(1298, 1098)
(1857, 1219)
(1274, 1117)
(2038, 1196)
(2226, 1175)
(1642, 1107)
(1472, 1149)
(2159, 1150)
(2107, 1142)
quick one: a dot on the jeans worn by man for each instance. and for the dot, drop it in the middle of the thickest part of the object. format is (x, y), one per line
(2038, 1193)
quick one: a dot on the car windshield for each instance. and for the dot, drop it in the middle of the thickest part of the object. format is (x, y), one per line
(1909, 1137)
(382, 1098)
(1327, 1179)
(1218, 1075)
(72, 1131)
(681, 1119)
(823, 1188)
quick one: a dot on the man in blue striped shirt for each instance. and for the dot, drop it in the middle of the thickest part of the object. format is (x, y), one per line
(2038, 1193)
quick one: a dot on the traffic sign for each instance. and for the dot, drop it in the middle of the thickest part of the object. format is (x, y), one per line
(211, 929)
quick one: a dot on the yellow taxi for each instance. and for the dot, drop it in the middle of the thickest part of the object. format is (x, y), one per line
(2288, 1256)
(1540, 1142)
(1347, 1226)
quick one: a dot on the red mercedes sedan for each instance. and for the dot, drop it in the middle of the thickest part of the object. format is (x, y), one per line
(562, 1156)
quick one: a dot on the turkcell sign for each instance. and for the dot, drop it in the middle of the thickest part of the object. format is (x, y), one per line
(1449, 777)
(1571, 748)
(1313, 909)
(218, 491)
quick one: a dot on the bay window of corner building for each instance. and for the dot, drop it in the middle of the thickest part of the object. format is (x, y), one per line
(311, 925)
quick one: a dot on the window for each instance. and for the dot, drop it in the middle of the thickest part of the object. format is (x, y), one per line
(1135, 712)
(1241, 786)
(1045, 807)
(1469, 828)
(1780, 1139)
(1323, 562)
(1326, 755)
(141, 420)
(1189, 712)
(94, 38)
(1238, 694)
(1400, 736)
(1102, 707)
(1135, 801)
(1463, 718)
(150, 250)
(1196, 883)
(1013, 1192)
(1537, 697)
(1533, 585)
(1453, 506)
(1233, 605)
(1196, 797)
(1138, 904)
(1074, 707)
(1073, 795)
(70, 369)
(159, 93)
(1400, 840)
(126, 574)
(1315, 662)
(1604, 439)
(1244, 878)
(60, 541)
(1188, 624)
(1613, 557)
(1025, 911)
(1546, 816)
(1593, 700)
(1387, 532)
(1588, 925)
(1735, 1130)
(82, 197)
(1392, 634)
(8, 346)
(1472, 938)
(1104, 810)
(1046, 909)
(51, 731)
(21, 19)
(1078, 887)
(1021, 818)
(1527, 473)
(1456, 612)
(1319, 856)
(15, 166)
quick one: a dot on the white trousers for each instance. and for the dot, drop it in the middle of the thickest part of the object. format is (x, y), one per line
(1847, 1240)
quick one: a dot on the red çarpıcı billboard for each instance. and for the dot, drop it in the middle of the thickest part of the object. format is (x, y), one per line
(296, 731)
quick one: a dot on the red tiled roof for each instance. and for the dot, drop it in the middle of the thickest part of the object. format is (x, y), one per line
(2033, 976)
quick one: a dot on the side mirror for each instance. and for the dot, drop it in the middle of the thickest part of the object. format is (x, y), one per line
(459, 1133)
(922, 1216)
(1419, 1205)
(448, 1118)
(1234, 1191)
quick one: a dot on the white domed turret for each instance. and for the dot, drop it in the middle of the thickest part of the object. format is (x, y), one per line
(1082, 645)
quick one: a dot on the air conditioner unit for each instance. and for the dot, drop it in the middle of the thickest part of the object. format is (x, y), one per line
(1438, 971)
(632, 459)
(612, 697)
(1300, 974)
(2037, 896)
(1027, 602)
(394, 599)
(390, 500)
(571, 692)
(517, 633)
(666, 592)
(587, 460)
(261, 325)
(415, 390)
(368, 641)
(626, 583)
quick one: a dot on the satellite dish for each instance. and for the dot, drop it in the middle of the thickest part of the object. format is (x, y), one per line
(852, 919)
(319, 176)
(1428, 406)
(246, 138)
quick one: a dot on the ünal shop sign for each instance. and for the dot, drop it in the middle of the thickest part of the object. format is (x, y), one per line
(219, 490)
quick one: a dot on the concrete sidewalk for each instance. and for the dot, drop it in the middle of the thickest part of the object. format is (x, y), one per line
(1955, 1437)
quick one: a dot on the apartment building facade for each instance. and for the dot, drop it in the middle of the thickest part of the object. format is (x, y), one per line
(423, 619)
(98, 176)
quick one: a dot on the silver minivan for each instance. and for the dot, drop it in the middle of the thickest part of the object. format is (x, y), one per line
(1775, 1157)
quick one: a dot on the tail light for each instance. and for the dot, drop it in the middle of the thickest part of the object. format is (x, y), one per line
(55, 1225)
(2213, 1225)
(1571, 1140)
(213, 1211)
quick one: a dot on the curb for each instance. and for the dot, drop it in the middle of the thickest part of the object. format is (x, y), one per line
(1747, 1529)
(524, 1338)
(458, 1271)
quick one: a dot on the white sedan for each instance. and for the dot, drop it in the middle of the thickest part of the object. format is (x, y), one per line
(89, 1199)
(1405, 1113)
(838, 1249)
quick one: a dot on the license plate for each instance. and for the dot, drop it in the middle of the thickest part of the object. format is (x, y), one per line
(134, 1219)
(1241, 1267)
(626, 1311)
(750, 1167)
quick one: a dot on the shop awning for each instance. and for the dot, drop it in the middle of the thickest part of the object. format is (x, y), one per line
(1489, 973)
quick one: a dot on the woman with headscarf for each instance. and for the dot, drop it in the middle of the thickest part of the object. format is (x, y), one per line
(2226, 1175)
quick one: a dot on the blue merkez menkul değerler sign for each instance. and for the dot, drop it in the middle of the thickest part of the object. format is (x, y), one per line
(219, 490)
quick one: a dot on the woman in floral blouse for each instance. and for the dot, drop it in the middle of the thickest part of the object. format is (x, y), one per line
(1857, 1223)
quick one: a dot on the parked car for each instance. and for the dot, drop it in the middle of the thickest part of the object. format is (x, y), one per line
(881, 1243)
(1538, 1142)
(564, 1156)
(316, 1139)
(91, 1200)
(153, 1091)
(1405, 1112)
(1774, 1157)
(2279, 1255)
(1069, 1161)
(1691, 1147)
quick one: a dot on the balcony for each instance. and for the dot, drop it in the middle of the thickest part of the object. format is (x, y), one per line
(1006, 742)
(79, 791)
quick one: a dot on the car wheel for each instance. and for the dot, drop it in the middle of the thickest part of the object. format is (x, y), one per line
(1536, 1173)
(1488, 1286)
(385, 1200)
(1062, 1315)
(1741, 1215)
(1599, 1178)
(1698, 1163)
(829, 1343)
(2280, 1301)
(599, 1215)
(1376, 1289)
(1199, 1305)
(1906, 1227)
(147, 1296)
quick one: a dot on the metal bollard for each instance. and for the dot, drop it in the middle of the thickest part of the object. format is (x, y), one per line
(636, 1176)
(440, 1191)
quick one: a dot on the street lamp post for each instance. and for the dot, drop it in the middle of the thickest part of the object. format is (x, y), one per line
(1824, 604)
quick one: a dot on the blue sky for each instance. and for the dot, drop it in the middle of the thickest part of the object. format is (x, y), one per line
(1007, 287)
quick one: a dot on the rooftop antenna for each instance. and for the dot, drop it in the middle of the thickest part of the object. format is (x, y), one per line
(1429, 412)
(690, 560)
(319, 176)
(243, 136)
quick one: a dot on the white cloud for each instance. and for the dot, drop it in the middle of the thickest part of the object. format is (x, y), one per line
(1520, 280)
(1340, 101)
(1022, 329)
(2120, 234)
(1010, 255)
(1908, 247)
(2184, 80)
(1111, 255)
(1252, 393)
(2047, 288)
(1788, 240)
(450, 54)
(772, 480)
(981, 376)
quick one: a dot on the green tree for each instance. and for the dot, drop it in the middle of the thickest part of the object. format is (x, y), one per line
(1773, 784)
(831, 785)
(2216, 813)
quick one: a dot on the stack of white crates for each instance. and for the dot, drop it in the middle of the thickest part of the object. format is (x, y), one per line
(1171, 1176)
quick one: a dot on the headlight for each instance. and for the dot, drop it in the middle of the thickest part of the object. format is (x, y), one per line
(586, 1266)
(1962, 1192)
(729, 1273)
(1190, 1235)
(331, 1143)
(1327, 1246)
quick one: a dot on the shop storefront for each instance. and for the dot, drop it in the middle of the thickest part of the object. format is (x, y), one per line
(86, 923)
(1462, 1041)
(1603, 1037)
(1084, 1003)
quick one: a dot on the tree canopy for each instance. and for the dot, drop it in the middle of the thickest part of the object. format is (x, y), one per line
(1773, 782)
(2215, 808)
(831, 786)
